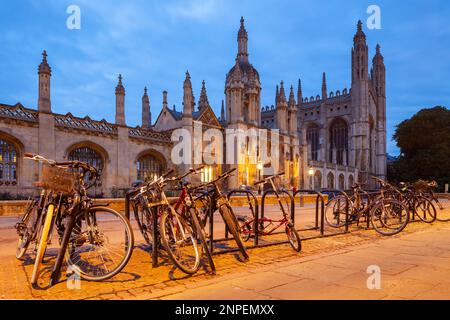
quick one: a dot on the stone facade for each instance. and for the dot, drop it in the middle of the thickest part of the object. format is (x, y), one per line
(326, 141)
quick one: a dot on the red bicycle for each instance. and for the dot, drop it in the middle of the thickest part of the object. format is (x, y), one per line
(186, 206)
(268, 226)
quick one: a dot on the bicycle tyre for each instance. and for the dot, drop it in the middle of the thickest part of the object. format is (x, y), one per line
(201, 235)
(382, 204)
(293, 237)
(25, 238)
(129, 241)
(430, 214)
(231, 222)
(165, 242)
(336, 217)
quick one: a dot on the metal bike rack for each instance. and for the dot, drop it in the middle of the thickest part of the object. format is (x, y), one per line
(320, 199)
(250, 195)
(155, 246)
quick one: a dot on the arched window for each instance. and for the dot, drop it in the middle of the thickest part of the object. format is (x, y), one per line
(312, 137)
(149, 168)
(350, 181)
(330, 181)
(341, 182)
(339, 141)
(88, 155)
(317, 180)
(8, 163)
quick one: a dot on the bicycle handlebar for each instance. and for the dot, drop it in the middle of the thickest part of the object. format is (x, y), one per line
(71, 164)
(268, 178)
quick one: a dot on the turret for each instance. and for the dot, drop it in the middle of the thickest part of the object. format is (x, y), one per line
(45, 73)
(146, 114)
(242, 55)
(324, 87)
(282, 110)
(299, 93)
(292, 114)
(188, 97)
(359, 55)
(120, 103)
(222, 112)
(378, 73)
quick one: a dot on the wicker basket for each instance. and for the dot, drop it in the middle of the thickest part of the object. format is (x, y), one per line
(420, 185)
(57, 179)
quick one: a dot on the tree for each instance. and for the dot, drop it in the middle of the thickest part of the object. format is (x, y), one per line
(424, 142)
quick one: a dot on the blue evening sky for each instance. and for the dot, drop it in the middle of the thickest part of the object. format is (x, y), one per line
(153, 43)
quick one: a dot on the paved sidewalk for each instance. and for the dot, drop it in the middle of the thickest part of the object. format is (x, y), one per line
(414, 266)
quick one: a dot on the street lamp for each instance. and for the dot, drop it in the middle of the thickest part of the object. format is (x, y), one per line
(311, 173)
(259, 167)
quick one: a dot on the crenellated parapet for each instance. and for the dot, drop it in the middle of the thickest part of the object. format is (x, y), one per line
(18, 112)
(69, 121)
(158, 137)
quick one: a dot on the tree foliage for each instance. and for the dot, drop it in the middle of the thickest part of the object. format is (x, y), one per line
(424, 142)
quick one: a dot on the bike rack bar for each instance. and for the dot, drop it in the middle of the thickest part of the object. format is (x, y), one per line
(322, 208)
(155, 246)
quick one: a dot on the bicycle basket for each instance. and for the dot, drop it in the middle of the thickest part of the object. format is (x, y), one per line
(57, 179)
(420, 186)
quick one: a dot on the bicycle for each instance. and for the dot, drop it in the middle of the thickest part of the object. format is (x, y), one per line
(186, 206)
(387, 215)
(247, 225)
(88, 236)
(426, 188)
(359, 204)
(217, 200)
(418, 204)
(28, 227)
(151, 207)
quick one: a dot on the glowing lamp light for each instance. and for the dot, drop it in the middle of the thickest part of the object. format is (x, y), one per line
(311, 171)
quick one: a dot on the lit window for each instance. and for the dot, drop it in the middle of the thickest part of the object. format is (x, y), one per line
(8, 163)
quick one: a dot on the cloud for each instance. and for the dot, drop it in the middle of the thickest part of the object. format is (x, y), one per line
(193, 10)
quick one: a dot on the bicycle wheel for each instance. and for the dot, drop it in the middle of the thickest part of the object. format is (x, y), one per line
(26, 228)
(145, 223)
(389, 216)
(178, 239)
(200, 235)
(335, 211)
(245, 228)
(42, 242)
(100, 245)
(425, 209)
(233, 226)
(293, 237)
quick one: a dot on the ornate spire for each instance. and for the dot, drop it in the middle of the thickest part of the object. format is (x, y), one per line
(281, 95)
(242, 43)
(299, 92)
(119, 88)
(187, 81)
(120, 103)
(277, 93)
(324, 86)
(378, 56)
(188, 96)
(203, 101)
(44, 67)
(292, 98)
(146, 114)
(242, 32)
(222, 112)
(360, 36)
